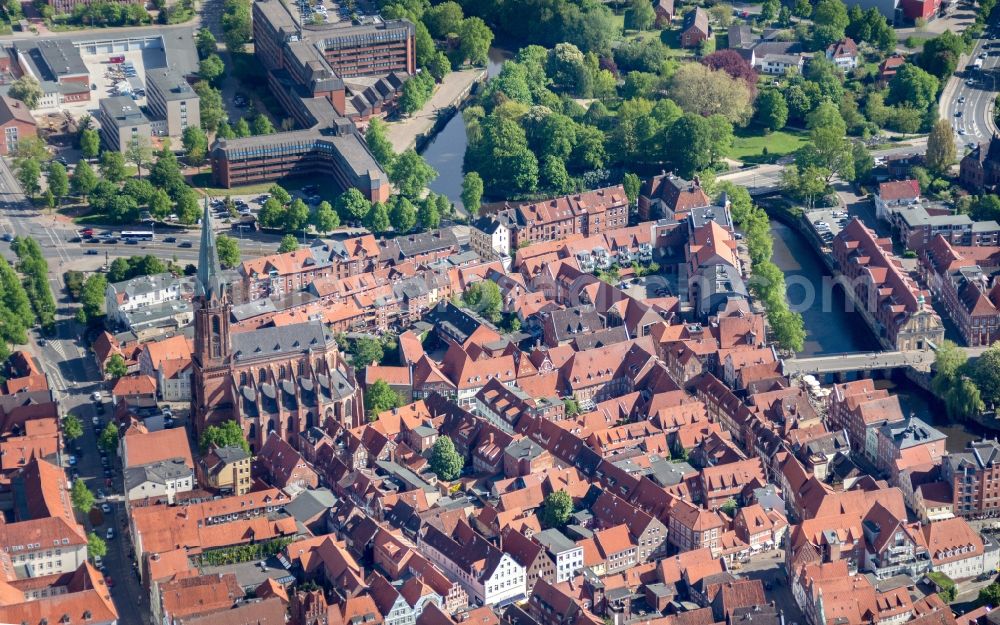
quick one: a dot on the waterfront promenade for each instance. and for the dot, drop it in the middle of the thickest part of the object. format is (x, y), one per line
(455, 87)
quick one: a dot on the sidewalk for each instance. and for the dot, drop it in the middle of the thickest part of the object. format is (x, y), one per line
(452, 90)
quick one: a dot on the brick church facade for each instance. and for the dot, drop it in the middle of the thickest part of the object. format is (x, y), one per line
(283, 380)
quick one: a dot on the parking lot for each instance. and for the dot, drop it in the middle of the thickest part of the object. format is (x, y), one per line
(318, 11)
(828, 223)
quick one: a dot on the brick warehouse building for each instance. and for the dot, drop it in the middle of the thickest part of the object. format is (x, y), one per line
(328, 77)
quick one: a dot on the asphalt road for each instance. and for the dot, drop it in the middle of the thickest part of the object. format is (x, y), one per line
(970, 105)
(767, 178)
(74, 376)
(19, 218)
(967, 99)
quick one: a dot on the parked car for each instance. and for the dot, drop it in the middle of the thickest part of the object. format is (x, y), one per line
(110, 534)
(106, 509)
(96, 395)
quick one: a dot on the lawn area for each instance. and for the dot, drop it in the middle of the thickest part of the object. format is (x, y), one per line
(750, 143)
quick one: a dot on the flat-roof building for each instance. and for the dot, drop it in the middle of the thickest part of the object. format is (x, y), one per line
(327, 77)
(171, 98)
(122, 122)
(299, 153)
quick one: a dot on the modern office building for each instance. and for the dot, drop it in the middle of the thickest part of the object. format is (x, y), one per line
(173, 103)
(122, 122)
(328, 77)
(344, 157)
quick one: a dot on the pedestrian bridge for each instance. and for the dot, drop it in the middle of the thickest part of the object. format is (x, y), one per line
(862, 361)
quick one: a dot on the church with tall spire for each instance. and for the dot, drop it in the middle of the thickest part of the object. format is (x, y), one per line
(283, 379)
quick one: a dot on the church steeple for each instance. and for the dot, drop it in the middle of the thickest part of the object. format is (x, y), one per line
(209, 270)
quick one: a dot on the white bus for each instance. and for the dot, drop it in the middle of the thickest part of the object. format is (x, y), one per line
(138, 235)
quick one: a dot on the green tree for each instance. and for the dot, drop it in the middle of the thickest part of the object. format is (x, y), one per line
(379, 397)
(83, 180)
(769, 11)
(445, 461)
(90, 143)
(92, 298)
(444, 19)
(472, 192)
(805, 183)
(963, 399)
(72, 427)
(115, 367)
(940, 148)
(772, 109)
(324, 218)
(58, 180)
(788, 328)
(428, 215)
(139, 153)
(108, 438)
(261, 125)
(365, 351)
(159, 204)
(113, 166)
(940, 55)
(830, 21)
(80, 495)
(96, 547)
(632, 184)
(913, 87)
(986, 374)
(378, 142)
(213, 112)
(990, 595)
(556, 509)
(229, 250)
(484, 297)
(352, 205)
(205, 42)
(474, 38)
(227, 434)
(402, 214)
(279, 194)
(640, 15)
(288, 244)
(211, 68)
(195, 143)
(241, 128)
(411, 174)
(378, 218)
(830, 149)
(571, 407)
(27, 90)
(554, 175)
(296, 216)
(690, 137)
(237, 28)
(29, 174)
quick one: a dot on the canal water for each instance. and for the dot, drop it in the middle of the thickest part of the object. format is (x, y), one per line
(446, 150)
(833, 329)
(830, 326)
